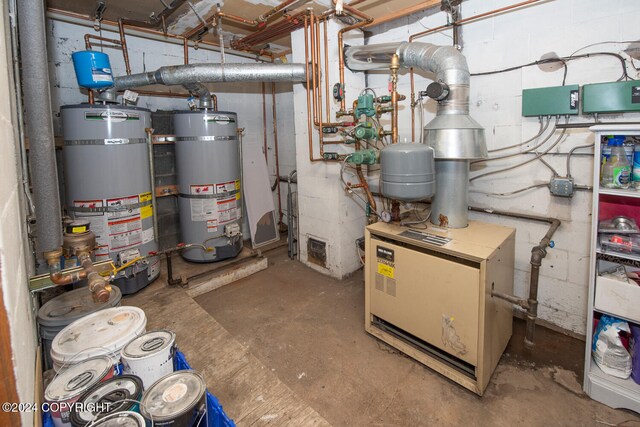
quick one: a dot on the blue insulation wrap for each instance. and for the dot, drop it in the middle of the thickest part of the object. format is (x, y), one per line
(215, 414)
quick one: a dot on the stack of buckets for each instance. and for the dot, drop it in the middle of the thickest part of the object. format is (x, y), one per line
(109, 370)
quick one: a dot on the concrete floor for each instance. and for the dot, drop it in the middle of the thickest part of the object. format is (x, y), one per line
(308, 329)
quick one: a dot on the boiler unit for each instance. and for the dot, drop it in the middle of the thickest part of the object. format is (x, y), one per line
(208, 173)
(107, 182)
(428, 293)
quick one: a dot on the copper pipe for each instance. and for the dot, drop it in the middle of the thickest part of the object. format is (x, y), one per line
(308, 87)
(326, 69)
(365, 20)
(148, 30)
(264, 122)
(123, 43)
(413, 106)
(89, 37)
(258, 22)
(159, 19)
(215, 102)
(90, 94)
(275, 10)
(452, 25)
(395, 66)
(275, 146)
(280, 28)
(185, 42)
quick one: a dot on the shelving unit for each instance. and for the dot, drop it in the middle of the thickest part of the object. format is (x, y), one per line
(612, 391)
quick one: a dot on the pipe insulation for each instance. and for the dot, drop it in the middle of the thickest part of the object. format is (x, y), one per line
(455, 137)
(214, 73)
(39, 124)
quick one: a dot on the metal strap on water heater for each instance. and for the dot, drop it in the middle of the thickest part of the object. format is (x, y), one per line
(110, 208)
(108, 141)
(207, 138)
(209, 196)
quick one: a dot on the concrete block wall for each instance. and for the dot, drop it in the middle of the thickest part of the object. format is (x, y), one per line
(510, 39)
(147, 55)
(14, 255)
(326, 212)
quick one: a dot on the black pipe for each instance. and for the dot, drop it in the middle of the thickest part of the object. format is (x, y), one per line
(538, 253)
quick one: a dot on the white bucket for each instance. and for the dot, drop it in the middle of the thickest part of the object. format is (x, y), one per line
(149, 356)
(99, 334)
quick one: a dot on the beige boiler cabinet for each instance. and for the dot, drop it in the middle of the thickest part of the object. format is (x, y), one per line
(428, 294)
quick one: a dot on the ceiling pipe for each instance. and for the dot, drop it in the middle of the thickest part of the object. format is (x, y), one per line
(455, 137)
(39, 124)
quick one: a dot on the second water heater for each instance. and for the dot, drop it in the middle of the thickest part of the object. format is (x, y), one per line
(208, 167)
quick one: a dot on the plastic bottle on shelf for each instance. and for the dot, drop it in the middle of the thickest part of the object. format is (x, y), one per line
(636, 166)
(616, 173)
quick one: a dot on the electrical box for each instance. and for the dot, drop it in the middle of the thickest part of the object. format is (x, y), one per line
(551, 101)
(561, 186)
(614, 97)
(428, 294)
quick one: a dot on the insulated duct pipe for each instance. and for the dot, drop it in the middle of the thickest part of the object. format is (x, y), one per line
(453, 134)
(213, 73)
(39, 123)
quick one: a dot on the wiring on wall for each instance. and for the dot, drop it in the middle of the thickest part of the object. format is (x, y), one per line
(543, 128)
(537, 157)
(529, 150)
(623, 62)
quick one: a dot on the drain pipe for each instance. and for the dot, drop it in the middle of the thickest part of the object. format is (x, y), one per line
(538, 253)
(214, 73)
(39, 124)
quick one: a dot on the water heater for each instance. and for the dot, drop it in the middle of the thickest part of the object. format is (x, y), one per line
(107, 182)
(208, 166)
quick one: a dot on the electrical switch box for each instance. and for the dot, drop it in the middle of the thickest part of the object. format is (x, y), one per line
(614, 97)
(551, 101)
(561, 186)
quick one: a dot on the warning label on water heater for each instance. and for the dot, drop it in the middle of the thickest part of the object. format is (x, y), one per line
(125, 226)
(203, 209)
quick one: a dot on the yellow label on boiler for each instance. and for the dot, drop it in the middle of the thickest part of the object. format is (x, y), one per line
(237, 184)
(79, 229)
(145, 211)
(385, 270)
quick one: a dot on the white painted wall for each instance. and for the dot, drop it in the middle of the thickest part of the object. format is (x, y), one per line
(14, 257)
(516, 38)
(148, 55)
(326, 212)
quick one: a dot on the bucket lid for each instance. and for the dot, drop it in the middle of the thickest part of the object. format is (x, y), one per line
(148, 344)
(107, 398)
(101, 333)
(77, 379)
(121, 419)
(72, 305)
(173, 395)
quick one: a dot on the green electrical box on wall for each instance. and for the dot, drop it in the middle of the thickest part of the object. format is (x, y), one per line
(614, 97)
(551, 101)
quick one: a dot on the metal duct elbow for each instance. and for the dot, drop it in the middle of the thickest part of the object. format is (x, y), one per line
(201, 91)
